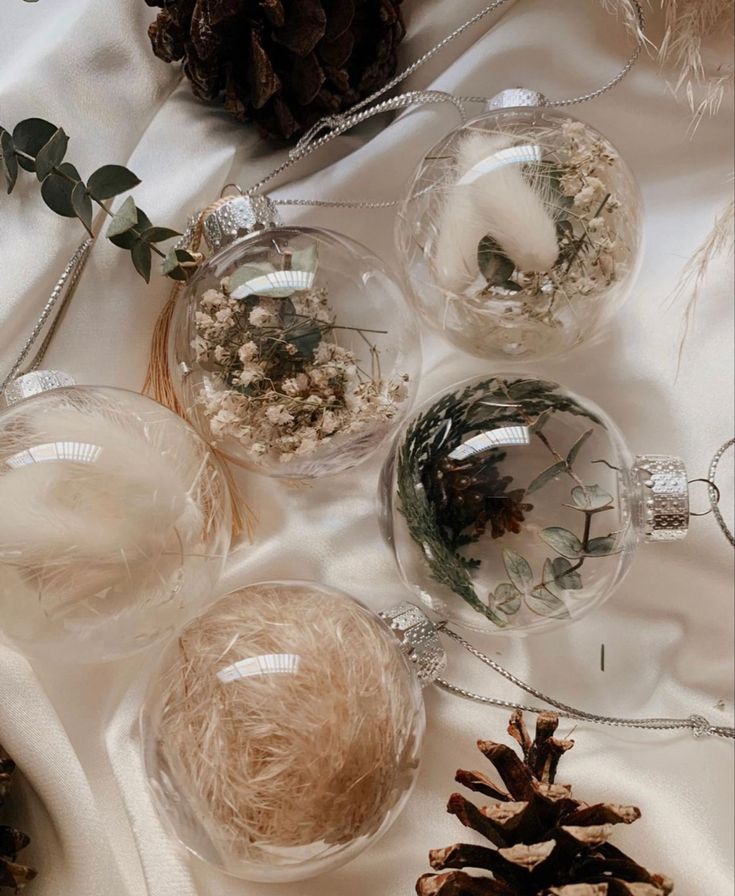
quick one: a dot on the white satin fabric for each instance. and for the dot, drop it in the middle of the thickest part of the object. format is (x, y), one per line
(86, 65)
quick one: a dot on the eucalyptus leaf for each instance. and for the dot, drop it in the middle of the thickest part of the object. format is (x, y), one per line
(127, 240)
(141, 255)
(111, 180)
(240, 280)
(494, 266)
(158, 234)
(591, 497)
(56, 191)
(82, 205)
(51, 154)
(562, 541)
(518, 569)
(506, 599)
(599, 547)
(569, 581)
(577, 446)
(548, 474)
(304, 334)
(305, 259)
(542, 602)
(124, 219)
(8, 159)
(29, 136)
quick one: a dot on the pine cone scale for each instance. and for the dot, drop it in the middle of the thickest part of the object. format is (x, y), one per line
(12, 874)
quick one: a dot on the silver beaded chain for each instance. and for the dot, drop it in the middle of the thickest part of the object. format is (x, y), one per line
(700, 726)
(332, 126)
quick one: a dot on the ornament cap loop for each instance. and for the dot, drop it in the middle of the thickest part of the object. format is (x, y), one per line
(35, 382)
(515, 97)
(665, 496)
(419, 639)
(235, 216)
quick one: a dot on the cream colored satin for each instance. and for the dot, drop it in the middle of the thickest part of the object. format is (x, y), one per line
(86, 65)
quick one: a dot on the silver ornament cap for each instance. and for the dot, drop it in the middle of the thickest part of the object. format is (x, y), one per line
(419, 639)
(665, 496)
(35, 382)
(237, 216)
(515, 97)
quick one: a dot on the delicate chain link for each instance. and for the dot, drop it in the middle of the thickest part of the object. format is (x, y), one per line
(714, 497)
(335, 125)
(695, 723)
(64, 287)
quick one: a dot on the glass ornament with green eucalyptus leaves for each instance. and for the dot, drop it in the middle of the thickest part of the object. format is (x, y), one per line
(512, 504)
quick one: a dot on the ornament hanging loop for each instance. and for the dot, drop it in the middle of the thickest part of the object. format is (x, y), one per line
(711, 485)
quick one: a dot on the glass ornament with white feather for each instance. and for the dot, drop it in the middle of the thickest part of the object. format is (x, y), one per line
(521, 231)
(292, 349)
(115, 519)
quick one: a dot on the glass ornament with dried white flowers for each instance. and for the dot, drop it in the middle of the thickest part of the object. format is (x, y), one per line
(521, 232)
(293, 350)
(282, 731)
(512, 504)
(115, 519)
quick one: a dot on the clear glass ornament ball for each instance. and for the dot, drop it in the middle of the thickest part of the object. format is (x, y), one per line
(511, 504)
(115, 523)
(294, 352)
(520, 234)
(281, 733)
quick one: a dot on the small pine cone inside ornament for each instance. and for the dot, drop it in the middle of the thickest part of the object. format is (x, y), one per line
(281, 63)
(13, 875)
(544, 842)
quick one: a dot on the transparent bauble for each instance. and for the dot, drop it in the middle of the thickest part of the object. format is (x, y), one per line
(513, 504)
(115, 523)
(294, 352)
(281, 733)
(520, 233)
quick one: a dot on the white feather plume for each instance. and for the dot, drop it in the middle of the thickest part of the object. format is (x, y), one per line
(95, 506)
(492, 197)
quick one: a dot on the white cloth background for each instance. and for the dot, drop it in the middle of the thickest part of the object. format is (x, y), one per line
(86, 65)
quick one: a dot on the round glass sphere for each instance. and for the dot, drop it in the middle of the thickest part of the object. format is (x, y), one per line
(511, 504)
(520, 233)
(294, 352)
(282, 731)
(115, 523)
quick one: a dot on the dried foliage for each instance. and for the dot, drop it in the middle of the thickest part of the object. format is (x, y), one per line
(544, 842)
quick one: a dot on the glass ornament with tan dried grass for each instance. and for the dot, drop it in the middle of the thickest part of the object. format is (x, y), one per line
(282, 730)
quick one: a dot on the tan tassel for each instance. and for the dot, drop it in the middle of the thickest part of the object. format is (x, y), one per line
(159, 385)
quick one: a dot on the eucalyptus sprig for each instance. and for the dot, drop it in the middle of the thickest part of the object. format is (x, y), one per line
(40, 147)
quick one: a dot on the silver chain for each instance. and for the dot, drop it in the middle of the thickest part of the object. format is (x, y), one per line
(335, 125)
(714, 492)
(695, 723)
(63, 290)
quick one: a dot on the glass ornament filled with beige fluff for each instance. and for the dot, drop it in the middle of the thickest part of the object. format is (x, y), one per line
(521, 232)
(282, 731)
(115, 520)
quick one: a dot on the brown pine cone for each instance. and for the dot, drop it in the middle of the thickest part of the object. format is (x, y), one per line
(281, 63)
(12, 874)
(543, 841)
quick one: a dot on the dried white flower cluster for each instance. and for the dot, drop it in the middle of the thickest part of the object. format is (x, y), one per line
(282, 383)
